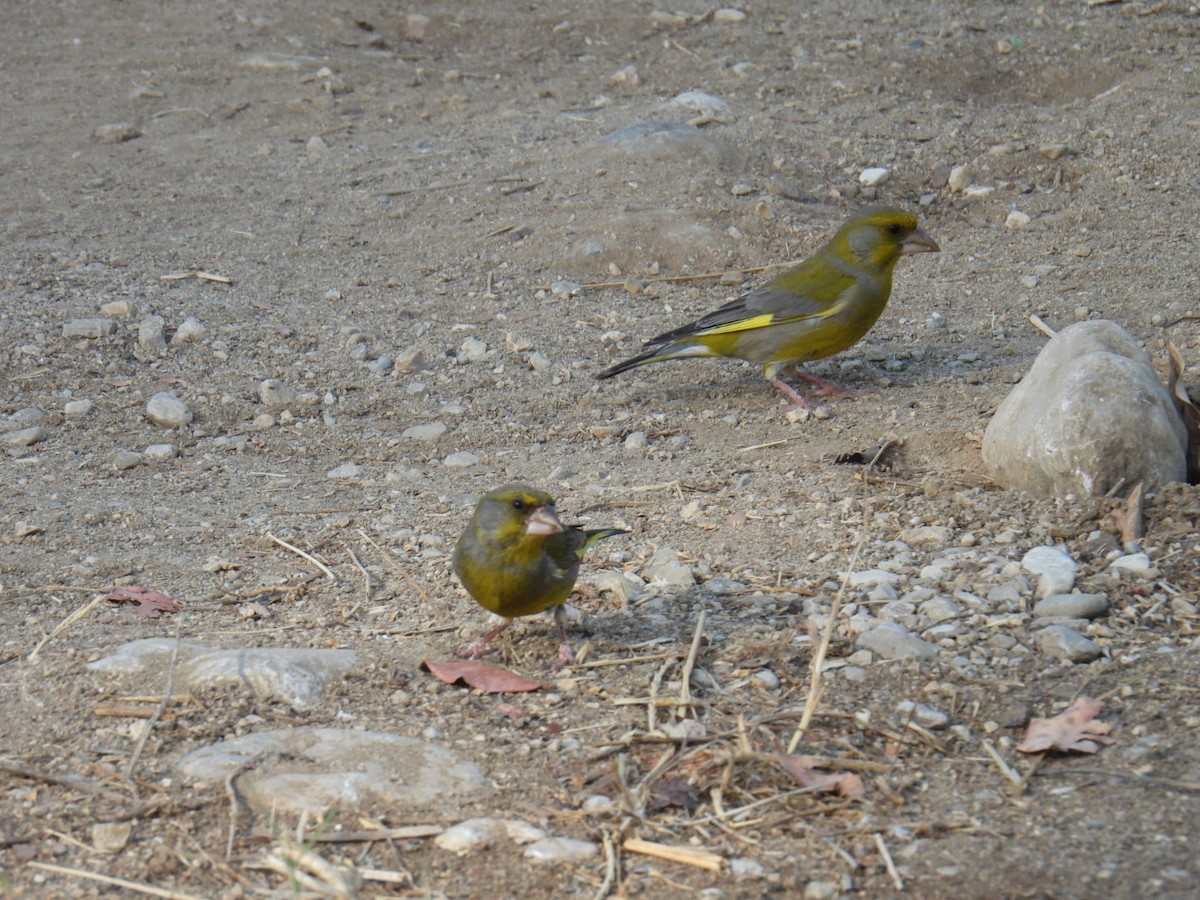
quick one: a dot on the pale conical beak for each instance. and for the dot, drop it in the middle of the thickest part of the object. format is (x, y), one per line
(919, 242)
(544, 521)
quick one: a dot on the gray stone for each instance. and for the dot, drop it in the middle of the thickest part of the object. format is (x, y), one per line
(1135, 564)
(349, 471)
(473, 350)
(189, 330)
(743, 867)
(152, 335)
(1091, 413)
(1055, 568)
(940, 609)
(1072, 606)
(461, 460)
(722, 586)
(26, 437)
(89, 328)
(77, 408)
(892, 640)
(925, 536)
(664, 567)
(481, 833)
(429, 431)
(167, 410)
(1062, 642)
(274, 394)
(924, 715)
(161, 452)
(297, 676)
(561, 850)
(126, 459)
(315, 769)
(871, 577)
(116, 133)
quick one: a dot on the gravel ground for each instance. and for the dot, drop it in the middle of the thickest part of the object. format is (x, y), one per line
(327, 274)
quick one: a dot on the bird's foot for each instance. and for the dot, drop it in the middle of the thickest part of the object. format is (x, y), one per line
(478, 647)
(563, 658)
(823, 387)
(474, 650)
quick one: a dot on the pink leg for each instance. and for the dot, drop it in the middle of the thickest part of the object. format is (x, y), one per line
(823, 387)
(476, 648)
(794, 396)
(565, 655)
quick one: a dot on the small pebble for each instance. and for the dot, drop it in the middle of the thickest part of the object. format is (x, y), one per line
(117, 133)
(636, 440)
(924, 715)
(89, 328)
(126, 459)
(167, 410)
(728, 16)
(189, 330)
(461, 460)
(161, 452)
(959, 179)
(473, 350)
(348, 471)
(873, 176)
(26, 437)
(1055, 568)
(274, 394)
(538, 361)
(561, 850)
(1016, 219)
(742, 867)
(1135, 563)
(1071, 606)
(152, 334)
(426, 432)
(1062, 642)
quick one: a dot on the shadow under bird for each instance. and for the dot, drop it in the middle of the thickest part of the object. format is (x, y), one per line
(517, 558)
(813, 310)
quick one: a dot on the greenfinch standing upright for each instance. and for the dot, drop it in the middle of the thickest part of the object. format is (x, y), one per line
(813, 310)
(516, 558)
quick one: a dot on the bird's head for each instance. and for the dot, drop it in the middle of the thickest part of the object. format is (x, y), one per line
(880, 235)
(514, 512)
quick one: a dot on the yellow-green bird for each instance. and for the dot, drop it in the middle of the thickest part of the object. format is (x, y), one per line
(516, 558)
(813, 310)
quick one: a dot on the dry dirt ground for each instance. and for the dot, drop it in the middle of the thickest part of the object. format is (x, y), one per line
(374, 180)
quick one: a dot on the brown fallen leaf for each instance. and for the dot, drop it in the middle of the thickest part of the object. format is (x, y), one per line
(1075, 728)
(479, 675)
(1129, 516)
(844, 784)
(1187, 410)
(150, 604)
(879, 455)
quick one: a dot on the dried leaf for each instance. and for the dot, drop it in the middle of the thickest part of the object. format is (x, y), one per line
(879, 455)
(1129, 517)
(1075, 728)
(673, 792)
(479, 675)
(1186, 408)
(844, 784)
(150, 604)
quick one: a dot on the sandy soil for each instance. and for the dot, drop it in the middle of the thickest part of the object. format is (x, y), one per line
(371, 181)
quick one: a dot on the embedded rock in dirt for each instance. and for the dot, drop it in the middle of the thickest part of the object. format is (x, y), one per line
(1091, 414)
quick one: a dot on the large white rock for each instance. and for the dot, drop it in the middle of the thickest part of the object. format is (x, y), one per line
(1090, 413)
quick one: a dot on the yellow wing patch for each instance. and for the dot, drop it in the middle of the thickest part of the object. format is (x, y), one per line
(762, 321)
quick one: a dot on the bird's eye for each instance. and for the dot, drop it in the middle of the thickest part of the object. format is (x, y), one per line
(894, 228)
(518, 504)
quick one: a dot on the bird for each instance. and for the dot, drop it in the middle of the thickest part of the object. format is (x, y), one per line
(810, 311)
(517, 558)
